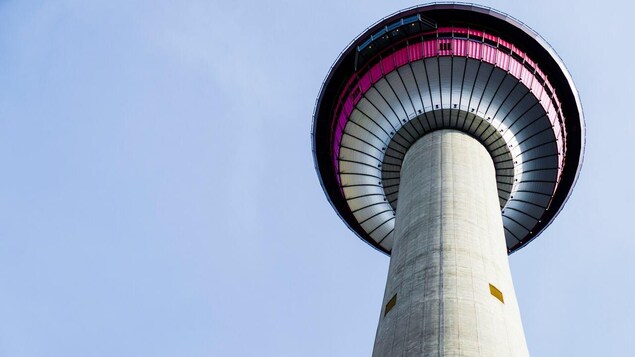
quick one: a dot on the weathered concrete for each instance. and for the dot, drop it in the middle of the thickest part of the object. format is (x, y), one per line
(449, 247)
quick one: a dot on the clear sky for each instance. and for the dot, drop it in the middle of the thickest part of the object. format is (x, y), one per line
(158, 196)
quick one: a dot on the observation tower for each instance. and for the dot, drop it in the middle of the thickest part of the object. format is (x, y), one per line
(448, 136)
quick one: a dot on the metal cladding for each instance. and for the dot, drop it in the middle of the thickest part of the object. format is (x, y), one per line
(448, 66)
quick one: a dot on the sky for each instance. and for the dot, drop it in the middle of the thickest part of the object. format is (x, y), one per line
(158, 195)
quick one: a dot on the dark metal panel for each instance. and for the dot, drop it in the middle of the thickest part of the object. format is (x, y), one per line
(501, 152)
(510, 239)
(514, 227)
(531, 209)
(371, 216)
(546, 149)
(355, 179)
(352, 155)
(487, 88)
(407, 77)
(540, 175)
(445, 118)
(533, 128)
(504, 185)
(391, 105)
(545, 188)
(525, 104)
(415, 125)
(380, 218)
(492, 139)
(388, 241)
(357, 191)
(421, 77)
(352, 143)
(530, 196)
(482, 130)
(505, 163)
(383, 231)
(400, 143)
(432, 70)
(376, 97)
(444, 65)
(536, 112)
(389, 168)
(515, 108)
(402, 95)
(368, 124)
(500, 87)
(473, 70)
(458, 74)
(390, 160)
(520, 218)
(366, 108)
(359, 203)
(359, 168)
(534, 141)
(547, 162)
(362, 133)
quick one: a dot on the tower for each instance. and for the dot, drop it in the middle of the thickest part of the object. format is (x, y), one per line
(448, 136)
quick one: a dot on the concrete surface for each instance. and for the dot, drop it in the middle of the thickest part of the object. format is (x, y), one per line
(449, 247)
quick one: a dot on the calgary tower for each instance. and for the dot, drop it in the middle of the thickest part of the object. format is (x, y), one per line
(448, 136)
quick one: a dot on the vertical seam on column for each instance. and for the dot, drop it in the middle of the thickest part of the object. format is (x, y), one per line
(441, 295)
(425, 288)
(452, 104)
(396, 289)
(425, 276)
(454, 232)
(469, 101)
(425, 69)
(451, 89)
(472, 158)
(410, 307)
(440, 92)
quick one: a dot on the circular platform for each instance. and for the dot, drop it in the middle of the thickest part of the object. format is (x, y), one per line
(448, 66)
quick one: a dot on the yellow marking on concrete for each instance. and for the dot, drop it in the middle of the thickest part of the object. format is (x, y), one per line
(391, 303)
(496, 293)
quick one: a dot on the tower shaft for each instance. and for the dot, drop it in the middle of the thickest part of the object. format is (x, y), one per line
(449, 290)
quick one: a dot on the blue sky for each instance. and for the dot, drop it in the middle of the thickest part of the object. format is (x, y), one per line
(158, 196)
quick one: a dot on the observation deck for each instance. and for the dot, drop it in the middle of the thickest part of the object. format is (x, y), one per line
(448, 66)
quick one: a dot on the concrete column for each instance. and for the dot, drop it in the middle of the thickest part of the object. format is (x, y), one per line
(449, 290)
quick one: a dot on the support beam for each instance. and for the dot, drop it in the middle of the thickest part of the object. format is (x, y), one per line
(449, 290)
